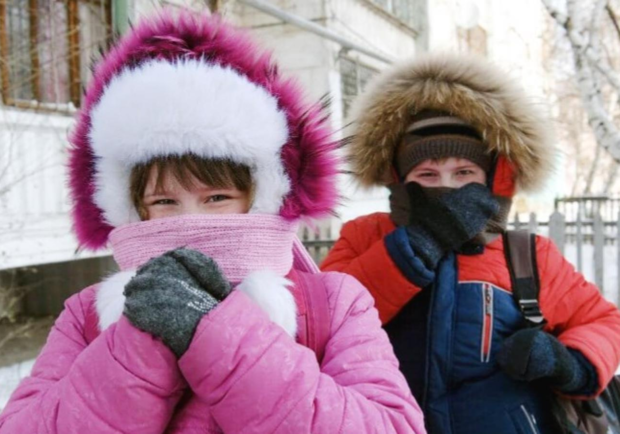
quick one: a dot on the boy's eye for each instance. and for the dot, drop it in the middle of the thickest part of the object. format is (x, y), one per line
(426, 174)
(164, 202)
(217, 198)
(465, 172)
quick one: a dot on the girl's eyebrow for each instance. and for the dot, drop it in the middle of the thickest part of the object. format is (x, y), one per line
(202, 189)
(215, 190)
(157, 193)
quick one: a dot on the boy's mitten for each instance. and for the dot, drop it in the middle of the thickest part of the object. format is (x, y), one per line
(532, 354)
(443, 223)
(171, 293)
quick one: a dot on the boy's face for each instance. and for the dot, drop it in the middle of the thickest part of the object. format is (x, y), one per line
(450, 172)
(174, 200)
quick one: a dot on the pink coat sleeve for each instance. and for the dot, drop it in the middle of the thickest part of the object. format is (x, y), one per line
(255, 378)
(124, 381)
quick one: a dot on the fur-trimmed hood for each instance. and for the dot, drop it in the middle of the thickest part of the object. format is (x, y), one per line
(181, 83)
(467, 87)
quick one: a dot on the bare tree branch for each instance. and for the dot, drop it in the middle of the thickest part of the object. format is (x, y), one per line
(611, 179)
(614, 19)
(590, 178)
(21, 330)
(559, 17)
(586, 58)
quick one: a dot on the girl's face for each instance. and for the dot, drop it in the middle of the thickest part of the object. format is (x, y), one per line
(174, 200)
(451, 172)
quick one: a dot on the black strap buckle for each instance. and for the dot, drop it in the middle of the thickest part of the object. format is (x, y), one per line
(531, 311)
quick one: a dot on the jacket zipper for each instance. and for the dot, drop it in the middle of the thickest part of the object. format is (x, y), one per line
(530, 419)
(487, 323)
(431, 287)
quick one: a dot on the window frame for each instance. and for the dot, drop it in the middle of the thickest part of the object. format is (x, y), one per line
(73, 58)
(388, 12)
(359, 87)
(474, 40)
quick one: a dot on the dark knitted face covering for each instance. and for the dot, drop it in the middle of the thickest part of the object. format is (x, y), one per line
(400, 211)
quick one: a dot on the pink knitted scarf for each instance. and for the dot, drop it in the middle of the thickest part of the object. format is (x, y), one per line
(239, 243)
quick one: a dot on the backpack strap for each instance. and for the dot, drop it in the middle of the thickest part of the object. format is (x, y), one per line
(313, 325)
(520, 252)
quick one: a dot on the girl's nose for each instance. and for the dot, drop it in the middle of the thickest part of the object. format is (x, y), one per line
(192, 208)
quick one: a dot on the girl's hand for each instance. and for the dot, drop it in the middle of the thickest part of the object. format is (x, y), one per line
(171, 293)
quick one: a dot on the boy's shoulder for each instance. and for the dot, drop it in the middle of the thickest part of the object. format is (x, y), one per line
(544, 242)
(548, 255)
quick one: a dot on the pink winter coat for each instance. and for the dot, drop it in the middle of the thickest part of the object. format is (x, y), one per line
(241, 374)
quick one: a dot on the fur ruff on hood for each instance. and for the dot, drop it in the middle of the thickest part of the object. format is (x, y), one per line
(468, 87)
(186, 83)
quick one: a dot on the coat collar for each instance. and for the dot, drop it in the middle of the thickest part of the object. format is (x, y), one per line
(265, 288)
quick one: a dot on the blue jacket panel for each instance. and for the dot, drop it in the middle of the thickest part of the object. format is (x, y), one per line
(447, 339)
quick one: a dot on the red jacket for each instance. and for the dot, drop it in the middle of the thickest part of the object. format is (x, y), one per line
(574, 308)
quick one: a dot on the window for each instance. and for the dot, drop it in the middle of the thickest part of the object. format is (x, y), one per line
(473, 40)
(353, 80)
(410, 12)
(47, 47)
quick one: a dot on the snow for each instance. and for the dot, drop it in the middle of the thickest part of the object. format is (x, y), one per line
(10, 376)
(33, 240)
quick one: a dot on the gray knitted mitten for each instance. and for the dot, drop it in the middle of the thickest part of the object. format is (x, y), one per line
(532, 354)
(171, 293)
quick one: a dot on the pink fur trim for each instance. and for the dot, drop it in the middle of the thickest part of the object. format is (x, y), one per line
(309, 155)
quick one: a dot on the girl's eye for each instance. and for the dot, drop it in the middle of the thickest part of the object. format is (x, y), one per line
(217, 198)
(465, 172)
(164, 202)
(426, 174)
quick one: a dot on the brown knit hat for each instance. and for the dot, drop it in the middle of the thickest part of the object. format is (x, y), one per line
(434, 135)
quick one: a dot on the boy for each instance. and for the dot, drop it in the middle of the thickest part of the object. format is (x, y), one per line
(452, 138)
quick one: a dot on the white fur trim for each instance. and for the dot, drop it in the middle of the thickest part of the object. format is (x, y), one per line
(163, 108)
(109, 300)
(270, 292)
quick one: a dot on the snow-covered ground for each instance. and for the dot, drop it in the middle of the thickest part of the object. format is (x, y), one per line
(10, 376)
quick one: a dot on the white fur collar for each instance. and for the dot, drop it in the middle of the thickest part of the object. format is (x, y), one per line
(109, 300)
(268, 290)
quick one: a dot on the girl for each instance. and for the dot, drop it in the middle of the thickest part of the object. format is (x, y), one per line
(193, 159)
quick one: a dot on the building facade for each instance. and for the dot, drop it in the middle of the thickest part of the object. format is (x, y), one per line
(332, 47)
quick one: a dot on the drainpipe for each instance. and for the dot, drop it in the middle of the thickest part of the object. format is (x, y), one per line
(308, 25)
(120, 16)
